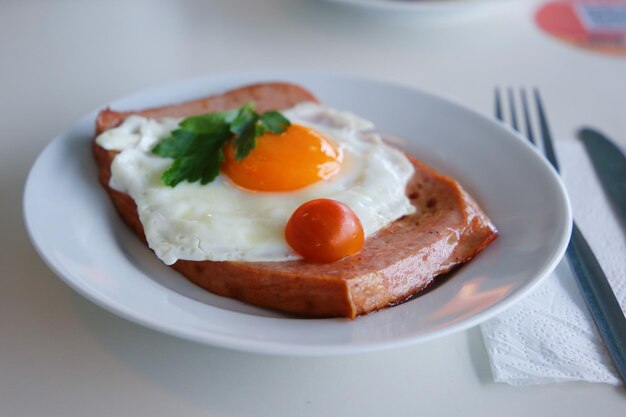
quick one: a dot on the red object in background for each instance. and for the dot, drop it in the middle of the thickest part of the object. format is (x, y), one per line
(597, 25)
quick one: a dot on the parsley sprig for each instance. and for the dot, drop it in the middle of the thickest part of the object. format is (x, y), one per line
(197, 146)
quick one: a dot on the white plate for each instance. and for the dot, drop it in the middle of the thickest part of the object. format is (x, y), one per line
(76, 231)
(445, 6)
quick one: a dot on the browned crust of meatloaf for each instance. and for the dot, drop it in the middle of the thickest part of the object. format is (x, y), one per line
(447, 229)
(266, 96)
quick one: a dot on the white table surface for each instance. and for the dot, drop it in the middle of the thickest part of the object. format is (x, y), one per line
(60, 355)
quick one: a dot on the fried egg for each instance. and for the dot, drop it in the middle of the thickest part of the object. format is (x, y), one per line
(241, 215)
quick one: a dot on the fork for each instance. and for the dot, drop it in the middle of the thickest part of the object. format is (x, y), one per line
(594, 286)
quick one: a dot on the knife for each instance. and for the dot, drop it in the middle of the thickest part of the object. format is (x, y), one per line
(610, 165)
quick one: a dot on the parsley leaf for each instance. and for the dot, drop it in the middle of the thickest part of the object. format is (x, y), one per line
(200, 160)
(175, 145)
(197, 147)
(274, 122)
(244, 127)
(209, 123)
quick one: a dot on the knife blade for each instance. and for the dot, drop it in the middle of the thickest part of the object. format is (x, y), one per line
(610, 165)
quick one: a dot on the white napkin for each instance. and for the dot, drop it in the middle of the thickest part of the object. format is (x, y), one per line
(549, 336)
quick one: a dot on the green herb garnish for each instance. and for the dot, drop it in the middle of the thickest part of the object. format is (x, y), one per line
(197, 147)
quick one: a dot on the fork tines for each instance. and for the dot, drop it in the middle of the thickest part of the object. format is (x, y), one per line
(544, 129)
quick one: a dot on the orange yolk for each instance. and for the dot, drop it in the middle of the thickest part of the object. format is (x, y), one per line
(294, 159)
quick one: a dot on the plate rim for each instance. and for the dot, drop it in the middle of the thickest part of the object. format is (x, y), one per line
(415, 6)
(281, 348)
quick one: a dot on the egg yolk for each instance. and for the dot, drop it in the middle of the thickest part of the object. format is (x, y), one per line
(294, 159)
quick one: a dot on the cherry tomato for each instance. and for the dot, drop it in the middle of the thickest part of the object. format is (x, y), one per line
(324, 230)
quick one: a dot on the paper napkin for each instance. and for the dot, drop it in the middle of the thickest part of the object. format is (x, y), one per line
(549, 336)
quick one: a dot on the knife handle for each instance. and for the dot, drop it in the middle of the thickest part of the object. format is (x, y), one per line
(600, 299)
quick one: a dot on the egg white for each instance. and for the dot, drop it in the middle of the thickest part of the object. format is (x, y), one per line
(222, 222)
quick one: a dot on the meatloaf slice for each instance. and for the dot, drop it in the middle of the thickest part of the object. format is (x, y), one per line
(447, 229)
(266, 96)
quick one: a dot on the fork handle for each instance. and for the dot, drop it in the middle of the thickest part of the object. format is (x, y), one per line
(597, 293)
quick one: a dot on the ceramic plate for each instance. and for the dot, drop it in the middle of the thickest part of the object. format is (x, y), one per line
(427, 6)
(76, 231)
